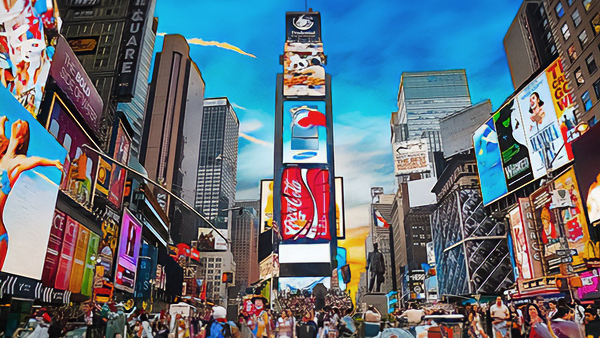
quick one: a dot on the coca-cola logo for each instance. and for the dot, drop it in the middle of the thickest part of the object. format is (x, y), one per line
(305, 204)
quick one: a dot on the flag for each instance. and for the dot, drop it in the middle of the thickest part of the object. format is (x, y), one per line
(379, 220)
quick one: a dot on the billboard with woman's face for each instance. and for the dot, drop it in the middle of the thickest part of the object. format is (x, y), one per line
(31, 164)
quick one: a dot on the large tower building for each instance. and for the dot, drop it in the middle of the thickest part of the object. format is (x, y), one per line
(245, 229)
(114, 41)
(529, 44)
(171, 142)
(217, 167)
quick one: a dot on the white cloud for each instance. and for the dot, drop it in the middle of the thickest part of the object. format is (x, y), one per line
(251, 125)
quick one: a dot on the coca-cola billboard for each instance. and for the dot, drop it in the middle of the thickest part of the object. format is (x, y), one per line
(305, 201)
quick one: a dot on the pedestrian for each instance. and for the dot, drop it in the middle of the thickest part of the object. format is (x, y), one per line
(475, 328)
(535, 323)
(372, 315)
(592, 324)
(146, 329)
(220, 327)
(41, 330)
(579, 315)
(500, 315)
(413, 315)
(552, 310)
(562, 326)
(307, 328)
(285, 325)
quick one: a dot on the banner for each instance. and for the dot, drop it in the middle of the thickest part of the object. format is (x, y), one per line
(54, 248)
(535, 250)
(65, 264)
(305, 196)
(564, 104)
(411, 157)
(521, 249)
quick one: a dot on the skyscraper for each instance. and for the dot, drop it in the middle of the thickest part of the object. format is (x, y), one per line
(244, 241)
(217, 168)
(170, 142)
(114, 41)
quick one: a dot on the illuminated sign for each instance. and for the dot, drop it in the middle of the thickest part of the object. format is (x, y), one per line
(489, 162)
(129, 250)
(305, 196)
(266, 205)
(303, 27)
(303, 71)
(304, 132)
(340, 220)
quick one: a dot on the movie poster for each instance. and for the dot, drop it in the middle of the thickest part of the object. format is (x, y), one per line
(542, 131)
(117, 185)
(549, 232)
(564, 104)
(30, 178)
(65, 264)
(122, 145)
(512, 144)
(489, 162)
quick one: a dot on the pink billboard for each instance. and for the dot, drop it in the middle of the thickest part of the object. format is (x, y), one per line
(305, 198)
(128, 252)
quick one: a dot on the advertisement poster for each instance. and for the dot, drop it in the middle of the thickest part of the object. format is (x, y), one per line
(303, 71)
(305, 196)
(54, 248)
(521, 250)
(104, 174)
(588, 171)
(489, 162)
(117, 185)
(411, 157)
(513, 146)
(82, 164)
(110, 239)
(590, 282)
(122, 145)
(67, 252)
(304, 132)
(547, 223)
(564, 104)
(26, 53)
(572, 217)
(72, 79)
(83, 238)
(266, 205)
(90, 263)
(128, 253)
(340, 221)
(28, 194)
(535, 250)
(209, 240)
(540, 124)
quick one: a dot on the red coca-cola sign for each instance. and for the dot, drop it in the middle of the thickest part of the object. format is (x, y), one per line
(305, 196)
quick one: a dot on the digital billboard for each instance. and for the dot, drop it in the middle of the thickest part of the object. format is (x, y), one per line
(76, 278)
(532, 238)
(489, 162)
(26, 53)
(82, 165)
(513, 146)
(304, 132)
(209, 240)
(266, 205)
(65, 263)
(305, 198)
(340, 220)
(588, 171)
(547, 221)
(521, 249)
(303, 27)
(564, 104)
(72, 79)
(30, 174)
(109, 242)
(122, 145)
(411, 157)
(111, 181)
(541, 127)
(54, 248)
(303, 71)
(128, 253)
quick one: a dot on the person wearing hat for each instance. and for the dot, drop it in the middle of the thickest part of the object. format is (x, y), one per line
(219, 327)
(262, 328)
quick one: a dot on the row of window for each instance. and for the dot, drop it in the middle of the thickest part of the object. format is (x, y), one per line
(560, 11)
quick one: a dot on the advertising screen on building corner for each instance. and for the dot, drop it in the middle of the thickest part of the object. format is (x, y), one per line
(128, 252)
(588, 171)
(28, 195)
(489, 162)
(304, 132)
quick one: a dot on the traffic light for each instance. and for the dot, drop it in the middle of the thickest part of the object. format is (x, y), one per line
(562, 284)
(227, 277)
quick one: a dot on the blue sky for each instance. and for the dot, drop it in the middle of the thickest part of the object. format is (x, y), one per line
(368, 45)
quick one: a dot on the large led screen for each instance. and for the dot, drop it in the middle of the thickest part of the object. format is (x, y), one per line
(564, 104)
(82, 164)
(304, 132)
(129, 250)
(541, 127)
(303, 71)
(302, 283)
(30, 174)
(588, 171)
(513, 146)
(489, 162)
(26, 52)
(305, 197)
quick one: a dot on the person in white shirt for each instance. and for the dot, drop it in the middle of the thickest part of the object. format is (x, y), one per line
(499, 314)
(413, 315)
(552, 305)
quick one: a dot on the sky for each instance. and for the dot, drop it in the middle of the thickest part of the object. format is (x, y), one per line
(236, 45)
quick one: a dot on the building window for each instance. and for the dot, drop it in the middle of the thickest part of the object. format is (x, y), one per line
(592, 121)
(597, 88)
(587, 4)
(591, 64)
(579, 77)
(595, 22)
(570, 2)
(576, 18)
(572, 53)
(583, 38)
(559, 10)
(565, 32)
(587, 100)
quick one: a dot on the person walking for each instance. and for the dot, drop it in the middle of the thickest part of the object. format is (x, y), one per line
(500, 315)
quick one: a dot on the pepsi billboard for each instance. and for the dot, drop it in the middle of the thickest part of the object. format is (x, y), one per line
(304, 132)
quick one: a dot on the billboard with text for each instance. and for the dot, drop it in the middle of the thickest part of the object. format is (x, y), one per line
(128, 253)
(411, 157)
